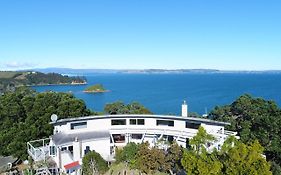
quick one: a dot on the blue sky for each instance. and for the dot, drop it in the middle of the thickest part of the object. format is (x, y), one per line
(137, 34)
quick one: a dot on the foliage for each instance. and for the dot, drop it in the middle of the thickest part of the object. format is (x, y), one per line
(95, 88)
(244, 159)
(201, 164)
(25, 116)
(173, 158)
(149, 160)
(127, 154)
(235, 157)
(254, 119)
(200, 140)
(275, 168)
(93, 164)
(121, 108)
(11, 79)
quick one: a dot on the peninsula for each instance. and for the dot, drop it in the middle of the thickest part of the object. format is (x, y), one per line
(97, 88)
(9, 80)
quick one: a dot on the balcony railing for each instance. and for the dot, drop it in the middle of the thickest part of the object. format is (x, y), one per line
(38, 149)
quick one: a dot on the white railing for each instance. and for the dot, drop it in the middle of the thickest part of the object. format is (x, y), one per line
(166, 131)
(38, 149)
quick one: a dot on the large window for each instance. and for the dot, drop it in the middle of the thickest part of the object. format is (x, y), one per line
(192, 125)
(79, 125)
(118, 138)
(136, 121)
(165, 123)
(118, 122)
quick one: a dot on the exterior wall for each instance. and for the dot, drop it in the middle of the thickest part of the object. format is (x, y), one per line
(150, 131)
(100, 146)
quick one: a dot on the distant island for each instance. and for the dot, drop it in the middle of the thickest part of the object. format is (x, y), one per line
(9, 80)
(97, 88)
(154, 71)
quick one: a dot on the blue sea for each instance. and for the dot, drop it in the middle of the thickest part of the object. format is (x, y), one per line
(164, 93)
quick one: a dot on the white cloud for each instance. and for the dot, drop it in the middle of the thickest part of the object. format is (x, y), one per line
(17, 65)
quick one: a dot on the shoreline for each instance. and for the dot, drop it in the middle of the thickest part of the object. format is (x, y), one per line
(95, 92)
(61, 84)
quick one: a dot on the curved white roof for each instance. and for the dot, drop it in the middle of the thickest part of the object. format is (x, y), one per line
(170, 117)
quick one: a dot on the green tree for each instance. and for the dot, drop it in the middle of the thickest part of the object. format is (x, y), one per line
(199, 141)
(121, 108)
(25, 116)
(254, 119)
(173, 158)
(94, 164)
(127, 154)
(201, 164)
(150, 160)
(244, 159)
(197, 160)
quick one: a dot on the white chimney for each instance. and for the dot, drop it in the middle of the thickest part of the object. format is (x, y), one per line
(184, 109)
(76, 149)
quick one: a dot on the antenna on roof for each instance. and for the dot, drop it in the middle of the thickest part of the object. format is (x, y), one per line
(54, 117)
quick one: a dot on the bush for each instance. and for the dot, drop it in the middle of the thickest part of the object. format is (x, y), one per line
(93, 163)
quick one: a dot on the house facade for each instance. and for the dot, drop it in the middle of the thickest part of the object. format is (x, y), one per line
(74, 137)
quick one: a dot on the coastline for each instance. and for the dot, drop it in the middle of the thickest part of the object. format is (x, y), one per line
(95, 92)
(60, 84)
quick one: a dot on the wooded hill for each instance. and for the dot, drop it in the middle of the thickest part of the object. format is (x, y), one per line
(9, 80)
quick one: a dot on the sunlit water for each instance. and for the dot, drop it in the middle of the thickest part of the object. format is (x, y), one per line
(164, 93)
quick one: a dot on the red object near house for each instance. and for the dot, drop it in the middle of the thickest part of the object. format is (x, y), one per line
(71, 165)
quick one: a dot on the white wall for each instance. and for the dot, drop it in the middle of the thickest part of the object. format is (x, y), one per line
(100, 146)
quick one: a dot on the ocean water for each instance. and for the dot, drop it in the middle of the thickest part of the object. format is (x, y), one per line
(164, 93)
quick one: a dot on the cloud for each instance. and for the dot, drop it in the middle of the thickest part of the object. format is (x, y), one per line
(16, 64)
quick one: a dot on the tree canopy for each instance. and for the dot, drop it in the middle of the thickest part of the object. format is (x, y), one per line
(25, 116)
(254, 119)
(121, 108)
(234, 158)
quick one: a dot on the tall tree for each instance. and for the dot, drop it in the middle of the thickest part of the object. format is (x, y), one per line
(25, 116)
(254, 119)
(244, 159)
(200, 140)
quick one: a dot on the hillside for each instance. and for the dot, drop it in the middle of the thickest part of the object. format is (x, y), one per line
(9, 80)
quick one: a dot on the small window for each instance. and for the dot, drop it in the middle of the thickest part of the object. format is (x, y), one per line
(165, 123)
(137, 136)
(79, 125)
(192, 125)
(52, 150)
(118, 122)
(136, 121)
(63, 149)
(133, 121)
(87, 150)
(70, 148)
(140, 121)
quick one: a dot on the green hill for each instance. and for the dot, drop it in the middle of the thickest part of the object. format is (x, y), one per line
(9, 80)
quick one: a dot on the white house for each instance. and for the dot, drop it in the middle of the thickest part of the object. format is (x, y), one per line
(74, 137)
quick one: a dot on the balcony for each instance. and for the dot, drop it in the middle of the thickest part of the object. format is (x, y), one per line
(38, 149)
